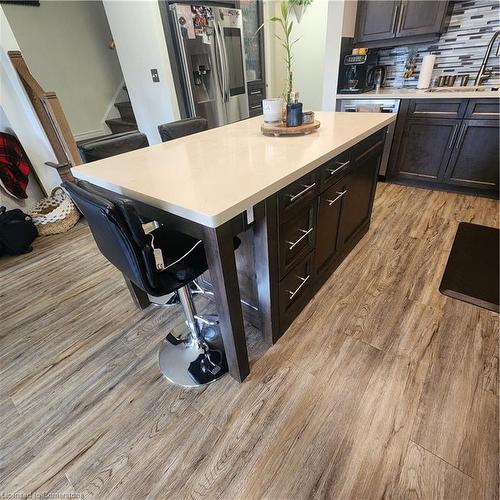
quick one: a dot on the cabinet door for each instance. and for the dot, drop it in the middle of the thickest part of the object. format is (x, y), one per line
(426, 147)
(328, 224)
(360, 184)
(421, 17)
(475, 158)
(376, 20)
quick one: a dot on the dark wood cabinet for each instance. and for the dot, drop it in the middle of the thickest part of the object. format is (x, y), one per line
(448, 144)
(420, 17)
(475, 159)
(360, 185)
(376, 20)
(426, 148)
(330, 208)
(391, 23)
(319, 220)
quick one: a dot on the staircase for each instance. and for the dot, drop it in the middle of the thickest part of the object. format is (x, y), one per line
(126, 122)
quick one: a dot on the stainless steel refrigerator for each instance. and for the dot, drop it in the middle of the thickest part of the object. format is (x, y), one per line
(211, 52)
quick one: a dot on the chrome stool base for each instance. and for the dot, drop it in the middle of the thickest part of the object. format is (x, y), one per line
(179, 350)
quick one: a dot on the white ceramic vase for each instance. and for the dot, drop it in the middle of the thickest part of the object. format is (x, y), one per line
(271, 109)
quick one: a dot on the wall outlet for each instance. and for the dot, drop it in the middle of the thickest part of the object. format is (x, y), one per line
(154, 75)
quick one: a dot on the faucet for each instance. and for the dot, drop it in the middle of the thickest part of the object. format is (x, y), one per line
(483, 74)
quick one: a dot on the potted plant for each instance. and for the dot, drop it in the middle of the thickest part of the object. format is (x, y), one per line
(299, 7)
(286, 25)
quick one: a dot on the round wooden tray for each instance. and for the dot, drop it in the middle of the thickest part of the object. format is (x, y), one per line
(277, 130)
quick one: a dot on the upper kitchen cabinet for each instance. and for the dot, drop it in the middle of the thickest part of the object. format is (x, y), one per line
(390, 23)
(252, 11)
(421, 18)
(375, 20)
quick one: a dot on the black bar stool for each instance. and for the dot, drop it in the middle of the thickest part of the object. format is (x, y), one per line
(112, 145)
(159, 261)
(181, 128)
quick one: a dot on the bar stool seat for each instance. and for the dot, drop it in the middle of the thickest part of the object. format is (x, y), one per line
(159, 261)
(181, 128)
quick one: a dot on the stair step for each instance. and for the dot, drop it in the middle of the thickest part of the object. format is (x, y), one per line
(118, 125)
(126, 111)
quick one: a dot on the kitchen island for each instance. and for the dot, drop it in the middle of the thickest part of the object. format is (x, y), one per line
(305, 202)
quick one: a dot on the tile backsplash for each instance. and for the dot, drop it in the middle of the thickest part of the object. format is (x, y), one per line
(459, 51)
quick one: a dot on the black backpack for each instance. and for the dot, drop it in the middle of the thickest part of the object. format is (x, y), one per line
(17, 231)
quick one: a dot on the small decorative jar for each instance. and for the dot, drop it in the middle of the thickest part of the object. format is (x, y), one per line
(307, 117)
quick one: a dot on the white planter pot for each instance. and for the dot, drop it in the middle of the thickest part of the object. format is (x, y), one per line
(299, 11)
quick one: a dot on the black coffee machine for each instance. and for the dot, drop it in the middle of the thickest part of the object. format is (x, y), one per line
(356, 73)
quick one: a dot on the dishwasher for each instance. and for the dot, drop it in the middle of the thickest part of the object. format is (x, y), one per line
(374, 106)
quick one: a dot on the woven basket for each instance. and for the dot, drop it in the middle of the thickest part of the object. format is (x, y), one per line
(55, 214)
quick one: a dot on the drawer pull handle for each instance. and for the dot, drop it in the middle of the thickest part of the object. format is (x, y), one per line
(257, 106)
(335, 170)
(295, 243)
(297, 290)
(434, 112)
(331, 202)
(293, 197)
(256, 92)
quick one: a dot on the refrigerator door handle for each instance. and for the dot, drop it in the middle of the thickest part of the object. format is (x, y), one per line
(226, 63)
(220, 62)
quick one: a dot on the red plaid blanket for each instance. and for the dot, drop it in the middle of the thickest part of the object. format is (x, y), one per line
(14, 166)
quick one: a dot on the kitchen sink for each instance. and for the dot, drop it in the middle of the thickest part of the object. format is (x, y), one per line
(463, 89)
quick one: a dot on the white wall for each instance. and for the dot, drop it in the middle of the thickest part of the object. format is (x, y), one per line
(140, 42)
(65, 44)
(19, 112)
(316, 54)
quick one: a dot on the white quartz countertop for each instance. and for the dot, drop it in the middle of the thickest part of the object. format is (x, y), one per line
(393, 93)
(212, 176)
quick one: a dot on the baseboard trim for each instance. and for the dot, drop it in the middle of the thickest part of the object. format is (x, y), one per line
(90, 134)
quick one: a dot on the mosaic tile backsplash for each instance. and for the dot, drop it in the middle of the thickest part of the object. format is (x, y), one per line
(459, 51)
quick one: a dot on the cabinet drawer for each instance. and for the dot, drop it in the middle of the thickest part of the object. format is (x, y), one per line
(295, 291)
(437, 108)
(483, 109)
(334, 169)
(297, 195)
(296, 237)
(255, 109)
(255, 95)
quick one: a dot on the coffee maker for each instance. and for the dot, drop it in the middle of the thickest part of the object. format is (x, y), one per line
(356, 75)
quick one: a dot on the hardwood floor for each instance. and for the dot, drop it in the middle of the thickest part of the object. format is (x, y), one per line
(381, 388)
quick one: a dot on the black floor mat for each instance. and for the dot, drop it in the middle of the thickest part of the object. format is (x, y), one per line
(471, 274)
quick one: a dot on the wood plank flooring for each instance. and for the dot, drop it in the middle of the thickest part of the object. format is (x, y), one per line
(381, 388)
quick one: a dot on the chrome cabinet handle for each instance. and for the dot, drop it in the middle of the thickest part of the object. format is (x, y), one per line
(331, 202)
(401, 17)
(461, 136)
(293, 244)
(257, 106)
(394, 19)
(293, 197)
(432, 112)
(297, 290)
(342, 165)
(453, 134)
(256, 92)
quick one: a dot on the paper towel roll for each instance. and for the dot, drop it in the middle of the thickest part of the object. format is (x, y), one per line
(424, 79)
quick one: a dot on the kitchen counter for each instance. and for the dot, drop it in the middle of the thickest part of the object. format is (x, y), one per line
(213, 176)
(394, 93)
(299, 205)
